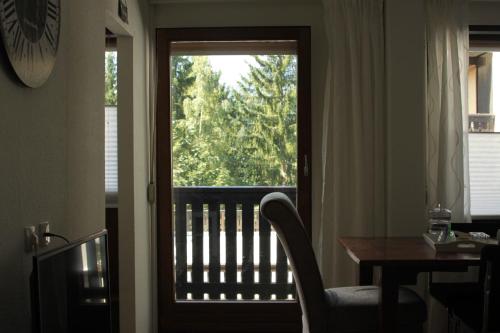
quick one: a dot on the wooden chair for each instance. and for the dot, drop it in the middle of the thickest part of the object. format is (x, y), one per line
(340, 310)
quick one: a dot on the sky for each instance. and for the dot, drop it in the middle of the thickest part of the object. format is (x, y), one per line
(232, 67)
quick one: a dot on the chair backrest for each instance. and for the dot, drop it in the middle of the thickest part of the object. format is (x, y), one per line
(490, 261)
(281, 213)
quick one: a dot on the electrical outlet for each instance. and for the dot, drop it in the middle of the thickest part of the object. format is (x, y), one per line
(42, 229)
(30, 238)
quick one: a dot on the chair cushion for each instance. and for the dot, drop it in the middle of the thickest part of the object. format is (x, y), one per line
(355, 309)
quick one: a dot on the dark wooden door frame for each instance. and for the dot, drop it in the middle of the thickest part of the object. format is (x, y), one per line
(177, 316)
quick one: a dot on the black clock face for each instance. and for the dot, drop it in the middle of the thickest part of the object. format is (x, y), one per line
(30, 31)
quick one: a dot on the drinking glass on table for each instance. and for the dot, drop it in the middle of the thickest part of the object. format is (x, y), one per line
(440, 224)
(440, 229)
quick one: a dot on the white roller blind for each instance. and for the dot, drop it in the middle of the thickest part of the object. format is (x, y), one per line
(484, 164)
(111, 150)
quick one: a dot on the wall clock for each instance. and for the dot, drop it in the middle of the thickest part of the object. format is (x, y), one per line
(30, 33)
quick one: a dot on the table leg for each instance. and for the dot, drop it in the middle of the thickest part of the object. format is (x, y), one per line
(389, 294)
(365, 275)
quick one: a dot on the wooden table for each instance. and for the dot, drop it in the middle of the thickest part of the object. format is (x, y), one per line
(400, 260)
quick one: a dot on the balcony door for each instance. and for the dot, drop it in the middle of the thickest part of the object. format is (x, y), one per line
(233, 124)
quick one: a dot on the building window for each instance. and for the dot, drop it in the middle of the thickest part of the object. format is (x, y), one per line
(484, 123)
(111, 124)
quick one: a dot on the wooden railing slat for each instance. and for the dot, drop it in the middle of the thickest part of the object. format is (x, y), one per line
(180, 249)
(265, 255)
(281, 269)
(214, 245)
(247, 274)
(197, 240)
(231, 268)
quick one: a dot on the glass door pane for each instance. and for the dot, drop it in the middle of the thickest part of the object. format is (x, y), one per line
(234, 139)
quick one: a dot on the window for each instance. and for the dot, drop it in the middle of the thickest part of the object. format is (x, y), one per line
(232, 125)
(234, 134)
(111, 123)
(484, 121)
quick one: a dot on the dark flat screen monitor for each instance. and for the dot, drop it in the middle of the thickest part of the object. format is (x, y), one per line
(71, 288)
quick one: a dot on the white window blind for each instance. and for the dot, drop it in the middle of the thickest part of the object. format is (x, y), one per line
(111, 150)
(484, 168)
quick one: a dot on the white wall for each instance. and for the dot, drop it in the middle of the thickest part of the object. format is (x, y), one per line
(133, 215)
(85, 117)
(52, 158)
(484, 12)
(51, 153)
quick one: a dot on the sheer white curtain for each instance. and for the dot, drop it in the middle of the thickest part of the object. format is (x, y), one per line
(447, 61)
(353, 152)
(447, 147)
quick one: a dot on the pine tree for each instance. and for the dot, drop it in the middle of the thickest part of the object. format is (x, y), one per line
(182, 79)
(223, 136)
(267, 103)
(199, 137)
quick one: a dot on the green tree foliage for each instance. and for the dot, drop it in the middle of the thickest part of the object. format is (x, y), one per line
(110, 79)
(182, 79)
(198, 134)
(225, 136)
(267, 103)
